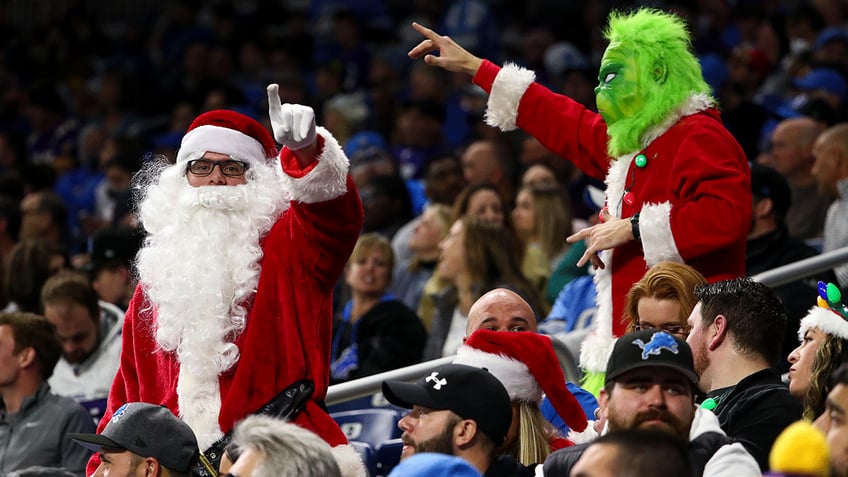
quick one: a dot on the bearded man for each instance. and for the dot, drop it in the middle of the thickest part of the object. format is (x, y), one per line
(678, 184)
(236, 275)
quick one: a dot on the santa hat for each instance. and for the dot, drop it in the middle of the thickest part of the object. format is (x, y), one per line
(227, 132)
(526, 364)
(830, 315)
(826, 320)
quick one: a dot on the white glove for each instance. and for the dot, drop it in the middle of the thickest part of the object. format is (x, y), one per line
(293, 124)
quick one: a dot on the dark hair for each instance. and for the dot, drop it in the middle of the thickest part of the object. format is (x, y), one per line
(28, 269)
(11, 211)
(71, 288)
(756, 318)
(51, 203)
(840, 376)
(637, 450)
(34, 331)
(489, 250)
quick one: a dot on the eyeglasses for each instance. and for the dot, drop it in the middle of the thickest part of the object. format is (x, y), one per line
(668, 328)
(204, 167)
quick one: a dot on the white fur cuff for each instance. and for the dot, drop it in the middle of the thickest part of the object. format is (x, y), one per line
(507, 89)
(595, 352)
(657, 239)
(327, 180)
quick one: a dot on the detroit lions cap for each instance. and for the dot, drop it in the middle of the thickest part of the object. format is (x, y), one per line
(469, 392)
(147, 430)
(650, 348)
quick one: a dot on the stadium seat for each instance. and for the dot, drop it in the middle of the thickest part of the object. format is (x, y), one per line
(95, 407)
(388, 455)
(372, 426)
(368, 454)
(375, 400)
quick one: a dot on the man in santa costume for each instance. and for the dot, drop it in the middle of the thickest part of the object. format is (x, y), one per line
(677, 181)
(237, 271)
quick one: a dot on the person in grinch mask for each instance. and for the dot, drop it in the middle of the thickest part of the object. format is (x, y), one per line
(678, 183)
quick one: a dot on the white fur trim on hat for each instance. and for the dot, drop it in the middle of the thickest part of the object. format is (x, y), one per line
(512, 373)
(826, 320)
(585, 436)
(349, 461)
(222, 140)
(327, 180)
(507, 89)
(657, 239)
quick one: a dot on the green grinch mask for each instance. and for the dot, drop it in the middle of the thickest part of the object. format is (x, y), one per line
(647, 73)
(619, 92)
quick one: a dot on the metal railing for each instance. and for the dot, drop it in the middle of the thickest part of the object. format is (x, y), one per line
(778, 276)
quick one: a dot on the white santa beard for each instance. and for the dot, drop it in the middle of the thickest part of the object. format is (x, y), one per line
(198, 266)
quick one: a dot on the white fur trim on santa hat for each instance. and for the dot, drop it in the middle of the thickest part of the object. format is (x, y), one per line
(236, 144)
(585, 436)
(507, 89)
(199, 400)
(349, 461)
(826, 320)
(327, 180)
(657, 239)
(512, 373)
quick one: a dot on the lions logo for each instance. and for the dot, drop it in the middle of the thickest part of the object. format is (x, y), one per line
(659, 341)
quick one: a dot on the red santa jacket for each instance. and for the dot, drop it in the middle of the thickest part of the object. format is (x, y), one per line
(288, 331)
(693, 196)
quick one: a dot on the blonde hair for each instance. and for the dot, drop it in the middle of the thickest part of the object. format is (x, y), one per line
(533, 444)
(552, 215)
(368, 242)
(445, 216)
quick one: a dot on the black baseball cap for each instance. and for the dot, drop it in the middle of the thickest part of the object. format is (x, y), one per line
(650, 348)
(114, 244)
(469, 392)
(147, 430)
(770, 184)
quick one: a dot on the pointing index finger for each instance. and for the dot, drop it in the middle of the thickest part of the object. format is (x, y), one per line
(430, 34)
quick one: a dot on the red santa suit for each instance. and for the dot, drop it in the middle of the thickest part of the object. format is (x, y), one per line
(693, 196)
(287, 334)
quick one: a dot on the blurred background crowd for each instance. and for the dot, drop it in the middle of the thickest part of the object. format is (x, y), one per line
(92, 90)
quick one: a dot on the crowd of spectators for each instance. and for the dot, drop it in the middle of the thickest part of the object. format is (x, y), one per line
(94, 90)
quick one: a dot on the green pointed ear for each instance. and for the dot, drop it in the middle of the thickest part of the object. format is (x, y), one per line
(660, 72)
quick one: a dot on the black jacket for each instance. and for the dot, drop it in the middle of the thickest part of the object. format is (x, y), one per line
(506, 466)
(755, 411)
(389, 336)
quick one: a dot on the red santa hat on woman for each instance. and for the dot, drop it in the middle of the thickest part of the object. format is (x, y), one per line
(527, 366)
(227, 132)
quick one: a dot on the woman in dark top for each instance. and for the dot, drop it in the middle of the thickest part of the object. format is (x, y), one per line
(374, 332)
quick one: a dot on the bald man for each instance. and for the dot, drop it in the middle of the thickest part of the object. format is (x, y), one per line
(502, 309)
(831, 173)
(792, 156)
(487, 162)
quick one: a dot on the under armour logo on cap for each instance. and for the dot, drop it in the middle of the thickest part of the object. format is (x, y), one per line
(437, 383)
(659, 341)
